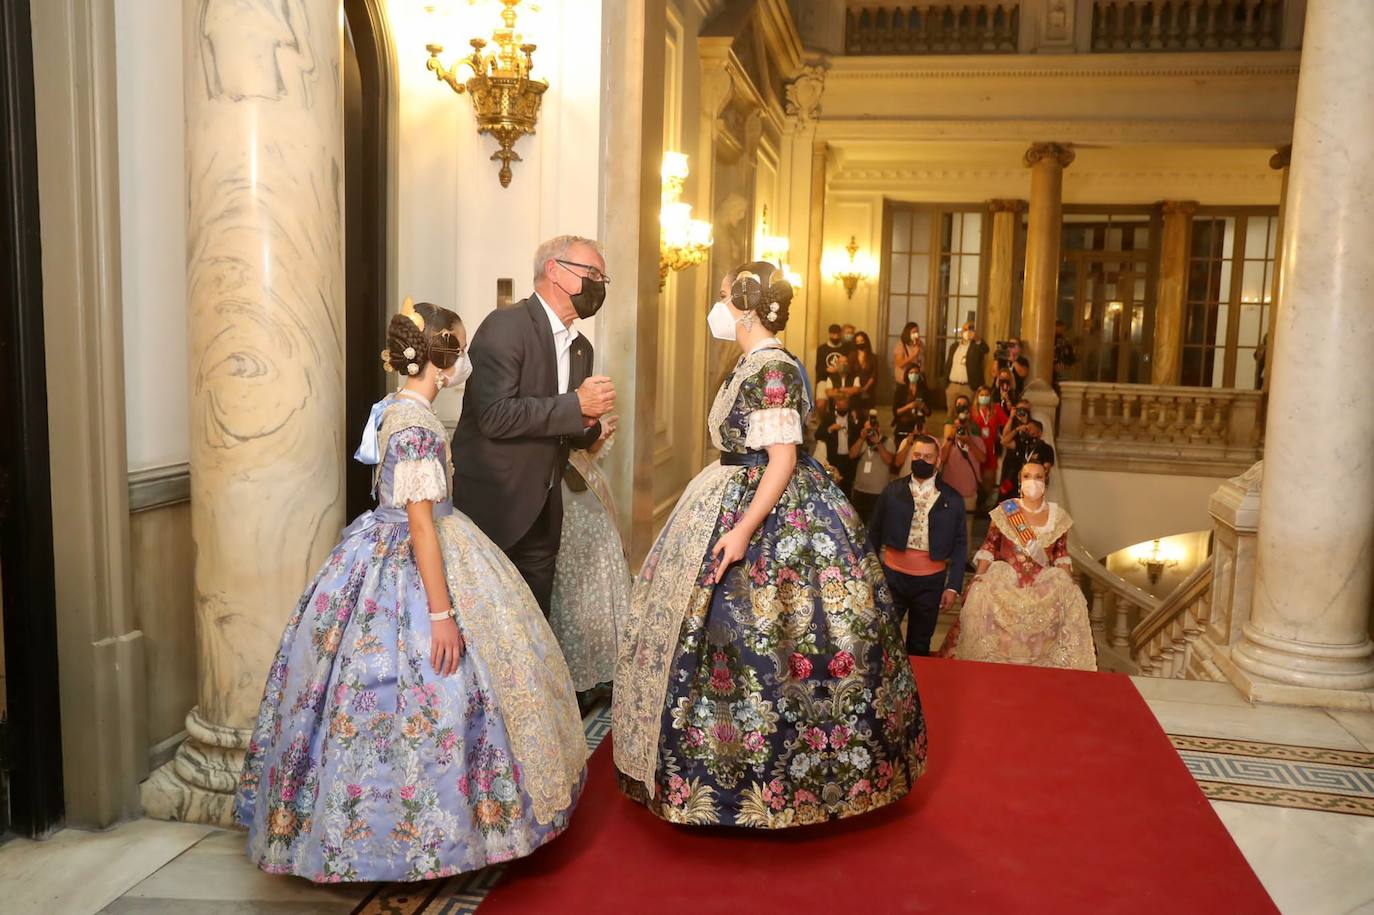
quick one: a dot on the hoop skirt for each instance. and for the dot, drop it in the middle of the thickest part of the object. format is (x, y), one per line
(782, 696)
(366, 765)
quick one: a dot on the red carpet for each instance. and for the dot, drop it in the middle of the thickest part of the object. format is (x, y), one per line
(1046, 791)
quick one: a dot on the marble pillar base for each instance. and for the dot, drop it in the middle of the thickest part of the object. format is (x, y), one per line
(1257, 688)
(198, 785)
(1305, 664)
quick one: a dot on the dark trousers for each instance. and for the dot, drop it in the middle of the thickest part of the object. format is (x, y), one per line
(864, 503)
(917, 597)
(536, 553)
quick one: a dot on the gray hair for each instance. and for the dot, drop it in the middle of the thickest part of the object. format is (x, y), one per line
(557, 247)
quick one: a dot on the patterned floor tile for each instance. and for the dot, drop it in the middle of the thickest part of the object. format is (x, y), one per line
(1280, 775)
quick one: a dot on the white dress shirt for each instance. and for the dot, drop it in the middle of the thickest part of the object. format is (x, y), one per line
(563, 337)
(958, 371)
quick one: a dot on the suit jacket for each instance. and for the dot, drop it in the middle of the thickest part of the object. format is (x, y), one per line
(891, 525)
(516, 429)
(973, 361)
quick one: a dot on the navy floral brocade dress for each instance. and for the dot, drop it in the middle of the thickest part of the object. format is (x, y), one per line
(782, 696)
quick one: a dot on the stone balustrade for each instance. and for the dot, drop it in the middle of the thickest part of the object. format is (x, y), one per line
(1114, 605)
(1187, 25)
(1162, 641)
(1157, 428)
(949, 27)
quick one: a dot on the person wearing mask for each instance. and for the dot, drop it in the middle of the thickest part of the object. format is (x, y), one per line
(873, 457)
(847, 338)
(862, 379)
(961, 458)
(1013, 436)
(965, 365)
(838, 432)
(829, 351)
(1027, 444)
(1023, 606)
(919, 532)
(908, 353)
(990, 419)
(1004, 392)
(909, 408)
(1018, 366)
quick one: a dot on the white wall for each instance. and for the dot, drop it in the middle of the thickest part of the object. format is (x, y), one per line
(459, 230)
(152, 190)
(1113, 510)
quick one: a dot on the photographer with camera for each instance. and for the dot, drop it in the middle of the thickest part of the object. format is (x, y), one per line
(839, 430)
(990, 418)
(1012, 362)
(908, 403)
(961, 457)
(1024, 442)
(873, 459)
(1064, 356)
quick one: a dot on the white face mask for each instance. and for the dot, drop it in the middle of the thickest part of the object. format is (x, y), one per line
(1032, 489)
(721, 321)
(461, 371)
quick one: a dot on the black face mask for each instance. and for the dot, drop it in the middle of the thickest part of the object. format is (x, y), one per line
(922, 469)
(588, 301)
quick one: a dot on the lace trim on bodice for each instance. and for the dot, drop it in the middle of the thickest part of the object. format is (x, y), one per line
(748, 366)
(406, 414)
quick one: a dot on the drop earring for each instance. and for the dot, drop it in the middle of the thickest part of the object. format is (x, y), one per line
(747, 322)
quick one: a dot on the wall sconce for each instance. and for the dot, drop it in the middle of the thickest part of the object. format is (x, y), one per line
(504, 98)
(857, 268)
(682, 241)
(1156, 559)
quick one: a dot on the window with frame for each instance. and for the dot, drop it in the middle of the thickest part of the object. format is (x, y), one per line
(934, 274)
(1230, 288)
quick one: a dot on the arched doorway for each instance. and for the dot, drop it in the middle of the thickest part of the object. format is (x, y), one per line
(367, 73)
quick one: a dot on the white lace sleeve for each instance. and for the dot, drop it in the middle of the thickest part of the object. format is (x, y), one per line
(1065, 562)
(779, 426)
(982, 555)
(420, 480)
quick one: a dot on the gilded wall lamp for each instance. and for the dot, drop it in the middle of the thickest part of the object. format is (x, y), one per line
(1156, 559)
(858, 268)
(505, 99)
(682, 241)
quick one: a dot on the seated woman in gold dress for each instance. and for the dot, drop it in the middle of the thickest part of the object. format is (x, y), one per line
(1023, 606)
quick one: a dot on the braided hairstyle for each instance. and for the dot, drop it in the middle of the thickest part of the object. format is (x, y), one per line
(760, 287)
(411, 344)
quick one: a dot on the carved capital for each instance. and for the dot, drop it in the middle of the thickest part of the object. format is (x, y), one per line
(717, 85)
(1058, 152)
(1281, 157)
(1006, 206)
(803, 95)
(1182, 207)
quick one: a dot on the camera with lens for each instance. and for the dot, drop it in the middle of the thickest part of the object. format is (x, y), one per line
(871, 432)
(1003, 351)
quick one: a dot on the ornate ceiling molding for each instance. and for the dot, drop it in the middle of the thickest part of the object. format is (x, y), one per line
(1084, 132)
(1107, 66)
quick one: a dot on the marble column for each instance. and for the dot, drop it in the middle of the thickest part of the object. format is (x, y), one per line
(1001, 267)
(264, 171)
(1279, 161)
(799, 204)
(1310, 620)
(1040, 299)
(1171, 290)
(820, 159)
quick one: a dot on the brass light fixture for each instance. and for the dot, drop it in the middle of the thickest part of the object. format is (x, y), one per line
(505, 99)
(859, 268)
(682, 241)
(774, 248)
(1155, 560)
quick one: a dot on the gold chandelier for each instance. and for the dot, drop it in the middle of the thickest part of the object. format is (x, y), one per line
(683, 241)
(505, 99)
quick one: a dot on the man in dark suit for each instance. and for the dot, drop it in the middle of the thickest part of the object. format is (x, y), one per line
(964, 366)
(919, 533)
(531, 398)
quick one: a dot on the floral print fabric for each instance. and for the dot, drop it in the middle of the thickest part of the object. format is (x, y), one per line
(791, 699)
(365, 765)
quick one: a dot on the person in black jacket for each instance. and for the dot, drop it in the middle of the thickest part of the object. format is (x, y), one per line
(531, 398)
(919, 533)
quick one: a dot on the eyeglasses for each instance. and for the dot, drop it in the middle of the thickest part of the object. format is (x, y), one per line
(593, 274)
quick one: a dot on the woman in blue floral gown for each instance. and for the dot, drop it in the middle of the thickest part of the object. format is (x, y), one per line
(418, 719)
(762, 679)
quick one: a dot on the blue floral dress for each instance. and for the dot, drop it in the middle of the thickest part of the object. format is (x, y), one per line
(366, 765)
(783, 695)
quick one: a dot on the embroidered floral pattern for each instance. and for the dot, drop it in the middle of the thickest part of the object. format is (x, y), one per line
(790, 699)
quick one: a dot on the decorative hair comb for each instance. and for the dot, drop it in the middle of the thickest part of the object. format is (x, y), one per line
(408, 309)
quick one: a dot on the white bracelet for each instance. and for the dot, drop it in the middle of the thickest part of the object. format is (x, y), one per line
(436, 617)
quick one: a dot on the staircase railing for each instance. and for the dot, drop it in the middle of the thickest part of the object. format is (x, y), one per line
(1112, 606)
(1160, 643)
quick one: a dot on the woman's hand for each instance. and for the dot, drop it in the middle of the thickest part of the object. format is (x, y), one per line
(608, 426)
(446, 646)
(729, 550)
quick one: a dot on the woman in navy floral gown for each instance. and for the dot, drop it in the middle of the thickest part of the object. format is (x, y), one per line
(418, 719)
(762, 680)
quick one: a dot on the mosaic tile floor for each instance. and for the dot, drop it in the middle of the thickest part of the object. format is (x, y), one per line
(1280, 775)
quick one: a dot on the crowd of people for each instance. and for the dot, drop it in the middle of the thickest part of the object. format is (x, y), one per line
(421, 715)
